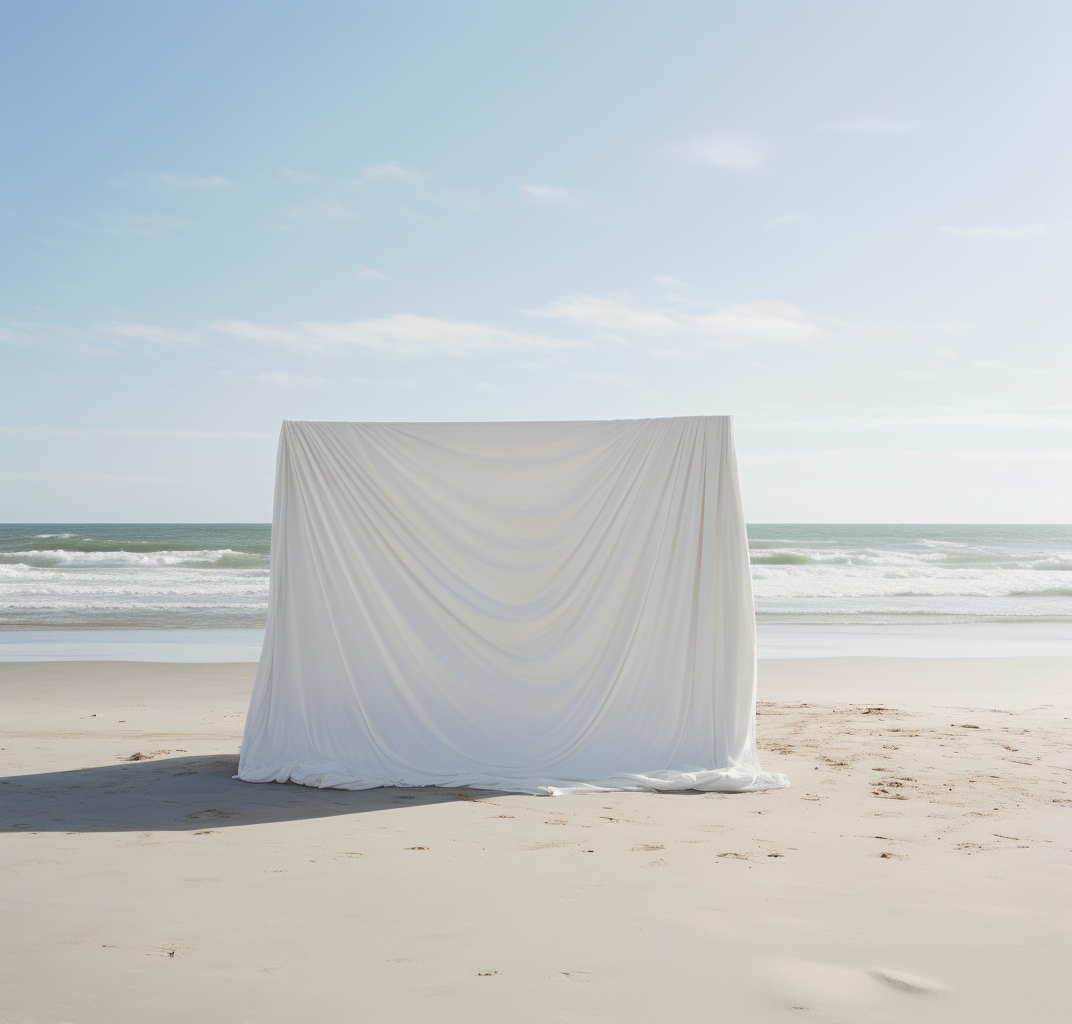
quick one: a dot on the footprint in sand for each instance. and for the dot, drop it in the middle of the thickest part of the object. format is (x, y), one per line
(835, 987)
(908, 982)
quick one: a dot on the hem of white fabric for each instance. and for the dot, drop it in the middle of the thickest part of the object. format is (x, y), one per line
(738, 779)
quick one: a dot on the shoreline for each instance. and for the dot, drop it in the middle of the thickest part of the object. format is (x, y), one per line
(871, 889)
(774, 641)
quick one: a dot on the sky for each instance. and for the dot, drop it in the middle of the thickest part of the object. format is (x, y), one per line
(848, 225)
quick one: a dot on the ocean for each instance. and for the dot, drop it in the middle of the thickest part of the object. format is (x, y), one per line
(199, 592)
(911, 574)
(133, 576)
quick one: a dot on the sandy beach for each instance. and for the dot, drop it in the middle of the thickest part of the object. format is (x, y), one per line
(495, 383)
(917, 869)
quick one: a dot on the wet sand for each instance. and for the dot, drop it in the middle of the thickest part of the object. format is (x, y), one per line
(918, 869)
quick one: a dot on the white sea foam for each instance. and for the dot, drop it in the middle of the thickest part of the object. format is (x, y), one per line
(121, 575)
(217, 576)
(837, 581)
(960, 555)
(107, 605)
(133, 559)
(894, 574)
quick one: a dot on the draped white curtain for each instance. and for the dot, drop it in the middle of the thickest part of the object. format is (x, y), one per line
(529, 607)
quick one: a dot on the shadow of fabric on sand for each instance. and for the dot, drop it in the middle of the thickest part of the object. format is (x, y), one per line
(184, 794)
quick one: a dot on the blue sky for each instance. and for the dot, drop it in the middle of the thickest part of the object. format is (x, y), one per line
(847, 224)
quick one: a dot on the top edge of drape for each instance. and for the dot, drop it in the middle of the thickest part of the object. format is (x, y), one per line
(499, 423)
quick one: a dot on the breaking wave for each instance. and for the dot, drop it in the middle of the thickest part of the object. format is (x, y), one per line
(62, 558)
(208, 575)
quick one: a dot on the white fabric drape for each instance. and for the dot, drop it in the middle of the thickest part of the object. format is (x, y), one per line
(529, 607)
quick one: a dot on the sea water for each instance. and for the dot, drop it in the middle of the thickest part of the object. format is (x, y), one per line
(133, 592)
(911, 574)
(199, 592)
(129, 576)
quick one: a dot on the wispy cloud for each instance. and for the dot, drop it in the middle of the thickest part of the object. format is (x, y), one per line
(167, 181)
(399, 335)
(721, 149)
(930, 419)
(206, 435)
(327, 210)
(392, 170)
(784, 220)
(420, 182)
(871, 126)
(291, 380)
(387, 382)
(471, 199)
(292, 177)
(127, 331)
(729, 326)
(678, 325)
(368, 274)
(550, 195)
(618, 381)
(21, 335)
(163, 227)
(898, 455)
(44, 335)
(191, 182)
(1024, 231)
(106, 338)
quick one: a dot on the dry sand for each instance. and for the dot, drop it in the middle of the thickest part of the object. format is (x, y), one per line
(917, 870)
